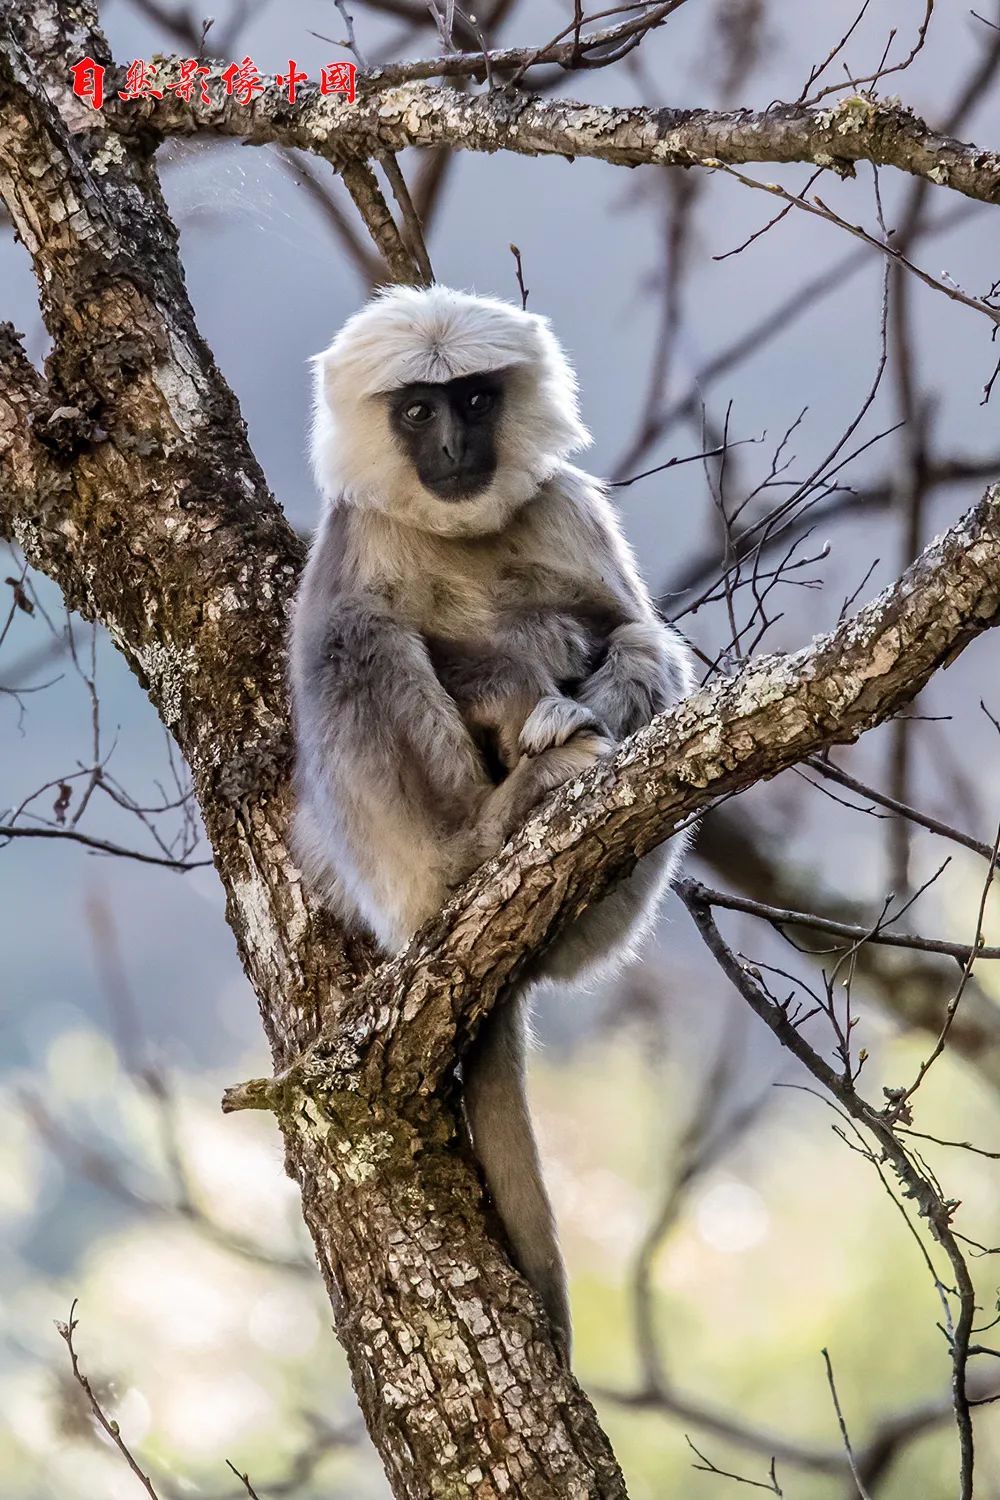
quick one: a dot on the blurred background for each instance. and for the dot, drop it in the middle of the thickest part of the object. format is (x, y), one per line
(718, 1229)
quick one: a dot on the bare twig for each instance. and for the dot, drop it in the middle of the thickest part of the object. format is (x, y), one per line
(882, 71)
(900, 1101)
(780, 918)
(915, 1184)
(100, 846)
(862, 1492)
(818, 209)
(914, 814)
(244, 1480)
(708, 1467)
(523, 290)
(107, 1424)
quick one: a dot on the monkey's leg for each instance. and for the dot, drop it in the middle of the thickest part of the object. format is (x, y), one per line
(496, 1104)
(646, 667)
(506, 807)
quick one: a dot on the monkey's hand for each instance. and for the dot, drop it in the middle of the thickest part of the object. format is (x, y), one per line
(646, 668)
(554, 721)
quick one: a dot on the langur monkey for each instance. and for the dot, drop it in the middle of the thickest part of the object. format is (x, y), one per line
(471, 631)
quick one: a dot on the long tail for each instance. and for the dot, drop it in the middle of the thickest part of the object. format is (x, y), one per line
(496, 1104)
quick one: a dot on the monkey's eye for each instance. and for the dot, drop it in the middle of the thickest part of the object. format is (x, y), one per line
(417, 413)
(479, 402)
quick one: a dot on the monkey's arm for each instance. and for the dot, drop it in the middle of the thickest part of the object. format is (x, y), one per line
(390, 781)
(646, 664)
(646, 668)
(508, 689)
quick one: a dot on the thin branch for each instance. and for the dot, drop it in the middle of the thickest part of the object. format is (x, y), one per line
(412, 227)
(779, 918)
(108, 1425)
(818, 209)
(522, 289)
(901, 1100)
(244, 1480)
(924, 820)
(862, 1492)
(818, 69)
(708, 1467)
(882, 71)
(100, 846)
(915, 1185)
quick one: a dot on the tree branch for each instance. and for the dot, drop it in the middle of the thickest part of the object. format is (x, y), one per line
(362, 184)
(402, 1030)
(917, 1186)
(417, 114)
(10, 831)
(781, 917)
(914, 990)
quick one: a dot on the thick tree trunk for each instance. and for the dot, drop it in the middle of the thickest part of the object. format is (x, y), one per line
(462, 1391)
(127, 477)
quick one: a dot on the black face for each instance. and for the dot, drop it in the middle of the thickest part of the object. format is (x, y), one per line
(449, 432)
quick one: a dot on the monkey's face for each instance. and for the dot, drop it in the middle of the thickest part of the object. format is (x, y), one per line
(449, 432)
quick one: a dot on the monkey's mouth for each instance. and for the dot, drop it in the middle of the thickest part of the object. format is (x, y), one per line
(462, 485)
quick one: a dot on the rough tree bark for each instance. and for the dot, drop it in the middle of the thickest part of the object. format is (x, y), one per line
(128, 479)
(849, 130)
(126, 476)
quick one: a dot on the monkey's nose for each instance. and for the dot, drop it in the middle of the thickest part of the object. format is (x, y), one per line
(452, 440)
